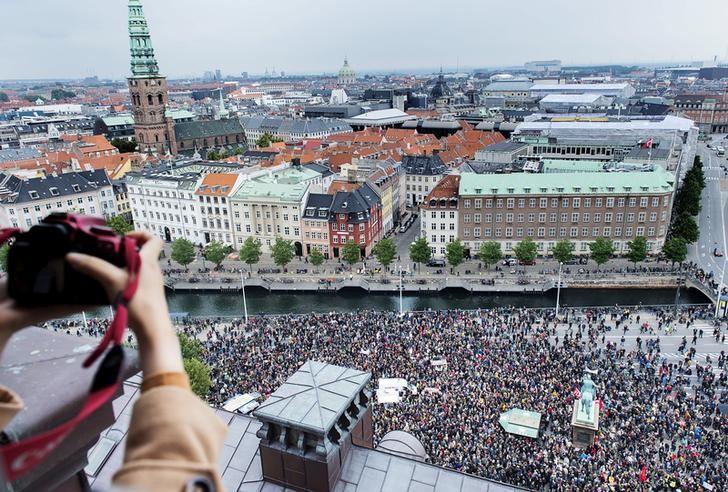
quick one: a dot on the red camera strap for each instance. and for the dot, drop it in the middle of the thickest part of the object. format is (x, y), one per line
(19, 457)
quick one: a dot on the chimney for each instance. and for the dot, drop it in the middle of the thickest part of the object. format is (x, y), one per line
(310, 424)
(296, 162)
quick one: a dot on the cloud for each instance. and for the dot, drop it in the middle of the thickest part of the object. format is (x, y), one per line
(48, 38)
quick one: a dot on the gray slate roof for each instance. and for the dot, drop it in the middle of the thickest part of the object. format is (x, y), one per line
(294, 126)
(207, 128)
(359, 201)
(314, 397)
(424, 165)
(63, 185)
(24, 153)
(364, 470)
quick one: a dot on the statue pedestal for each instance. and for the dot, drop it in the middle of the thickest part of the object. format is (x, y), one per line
(584, 425)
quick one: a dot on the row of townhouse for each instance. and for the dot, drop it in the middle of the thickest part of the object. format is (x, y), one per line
(547, 208)
(205, 202)
(25, 202)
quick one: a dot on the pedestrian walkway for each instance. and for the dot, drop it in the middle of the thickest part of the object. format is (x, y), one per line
(700, 358)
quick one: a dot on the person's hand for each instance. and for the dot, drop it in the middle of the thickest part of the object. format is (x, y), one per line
(148, 313)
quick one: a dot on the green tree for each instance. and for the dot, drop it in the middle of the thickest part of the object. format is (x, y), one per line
(455, 252)
(62, 94)
(419, 251)
(4, 257)
(563, 251)
(525, 250)
(316, 257)
(684, 226)
(213, 155)
(282, 252)
(675, 249)
(124, 145)
(637, 249)
(183, 251)
(490, 253)
(266, 139)
(119, 224)
(199, 375)
(191, 347)
(4, 97)
(601, 250)
(215, 252)
(250, 252)
(350, 252)
(385, 251)
(33, 97)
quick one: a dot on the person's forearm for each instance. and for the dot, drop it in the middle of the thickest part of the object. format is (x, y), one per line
(160, 352)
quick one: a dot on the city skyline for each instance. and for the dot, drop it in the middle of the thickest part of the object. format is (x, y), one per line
(93, 34)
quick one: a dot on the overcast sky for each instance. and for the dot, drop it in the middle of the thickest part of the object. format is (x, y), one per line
(75, 38)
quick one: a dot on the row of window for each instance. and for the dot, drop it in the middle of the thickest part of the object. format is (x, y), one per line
(345, 239)
(317, 235)
(59, 205)
(442, 239)
(575, 202)
(564, 217)
(562, 232)
(584, 246)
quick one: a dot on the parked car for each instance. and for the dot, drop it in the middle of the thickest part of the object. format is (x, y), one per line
(510, 262)
(436, 263)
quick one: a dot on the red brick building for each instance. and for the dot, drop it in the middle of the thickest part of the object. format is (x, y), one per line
(355, 215)
(708, 111)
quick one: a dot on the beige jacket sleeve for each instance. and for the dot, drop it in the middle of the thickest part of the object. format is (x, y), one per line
(173, 437)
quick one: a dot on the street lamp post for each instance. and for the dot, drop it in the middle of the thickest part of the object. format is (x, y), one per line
(245, 302)
(677, 292)
(401, 309)
(558, 290)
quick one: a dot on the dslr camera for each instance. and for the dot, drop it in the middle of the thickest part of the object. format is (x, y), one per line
(38, 274)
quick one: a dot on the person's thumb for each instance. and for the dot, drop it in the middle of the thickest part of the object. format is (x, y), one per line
(110, 276)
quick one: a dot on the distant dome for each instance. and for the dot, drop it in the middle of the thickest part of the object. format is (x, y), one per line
(346, 74)
(403, 444)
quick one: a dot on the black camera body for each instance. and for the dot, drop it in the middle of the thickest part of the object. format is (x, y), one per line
(38, 274)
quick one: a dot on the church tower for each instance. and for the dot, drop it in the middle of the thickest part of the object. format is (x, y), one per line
(148, 89)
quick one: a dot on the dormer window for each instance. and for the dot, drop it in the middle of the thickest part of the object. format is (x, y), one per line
(33, 195)
(54, 192)
(76, 188)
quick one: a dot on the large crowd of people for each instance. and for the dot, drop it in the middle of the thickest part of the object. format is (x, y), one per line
(660, 428)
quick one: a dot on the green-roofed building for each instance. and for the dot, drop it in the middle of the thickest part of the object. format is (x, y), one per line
(271, 205)
(579, 206)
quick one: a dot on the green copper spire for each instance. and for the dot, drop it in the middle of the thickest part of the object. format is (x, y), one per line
(143, 63)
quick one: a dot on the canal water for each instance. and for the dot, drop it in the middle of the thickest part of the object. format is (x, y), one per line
(231, 304)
